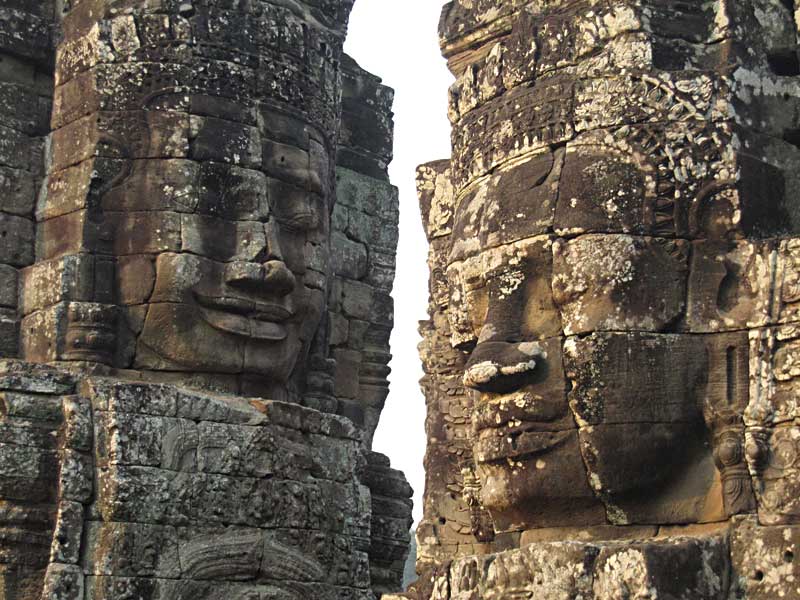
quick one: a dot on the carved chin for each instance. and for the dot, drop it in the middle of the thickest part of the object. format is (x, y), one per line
(545, 487)
(183, 337)
(549, 467)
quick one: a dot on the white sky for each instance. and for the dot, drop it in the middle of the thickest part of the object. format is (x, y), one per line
(398, 41)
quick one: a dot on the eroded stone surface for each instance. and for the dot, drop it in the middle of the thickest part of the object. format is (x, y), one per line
(170, 241)
(146, 485)
(609, 359)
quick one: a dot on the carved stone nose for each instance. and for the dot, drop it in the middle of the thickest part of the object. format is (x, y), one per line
(278, 277)
(501, 366)
(272, 276)
(244, 273)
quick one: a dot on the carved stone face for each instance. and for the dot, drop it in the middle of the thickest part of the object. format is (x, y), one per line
(588, 408)
(243, 291)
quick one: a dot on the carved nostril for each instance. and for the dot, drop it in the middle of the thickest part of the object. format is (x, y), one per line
(278, 277)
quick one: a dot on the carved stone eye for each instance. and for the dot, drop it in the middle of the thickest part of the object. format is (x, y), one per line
(474, 281)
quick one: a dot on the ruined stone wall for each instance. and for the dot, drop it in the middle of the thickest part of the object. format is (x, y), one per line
(364, 239)
(204, 329)
(26, 90)
(112, 488)
(612, 256)
(161, 493)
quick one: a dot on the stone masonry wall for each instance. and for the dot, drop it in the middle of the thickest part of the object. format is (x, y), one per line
(113, 488)
(364, 242)
(609, 359)
(26, 90)
(221, 451)
(164, 493)
(361, 308)
(31, 422)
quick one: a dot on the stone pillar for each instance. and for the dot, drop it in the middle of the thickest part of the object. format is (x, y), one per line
(612, 323)
(27, 475)
(389, 528)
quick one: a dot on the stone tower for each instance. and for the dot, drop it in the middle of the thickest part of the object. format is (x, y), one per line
(611, 352)
(197, 238)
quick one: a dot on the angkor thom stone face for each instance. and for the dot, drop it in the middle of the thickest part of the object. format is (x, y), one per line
(586, 409)
(246, 291)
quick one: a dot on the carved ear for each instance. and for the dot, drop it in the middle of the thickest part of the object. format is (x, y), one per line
(436, 198)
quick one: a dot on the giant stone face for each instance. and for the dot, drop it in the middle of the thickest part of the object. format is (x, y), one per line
(603, 254)
(613, 258)
(588, 395)
(246, 291)
(193, 191)
(182, 241)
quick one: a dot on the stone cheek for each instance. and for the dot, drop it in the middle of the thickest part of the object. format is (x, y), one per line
(618, 283)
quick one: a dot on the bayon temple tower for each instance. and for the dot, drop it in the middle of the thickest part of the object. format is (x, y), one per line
(198, 235)
(197, 252)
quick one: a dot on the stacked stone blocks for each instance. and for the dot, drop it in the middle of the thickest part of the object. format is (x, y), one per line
(170, 493)
(26, 90)
(364, 241)
(611, 323)
(175, 265)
